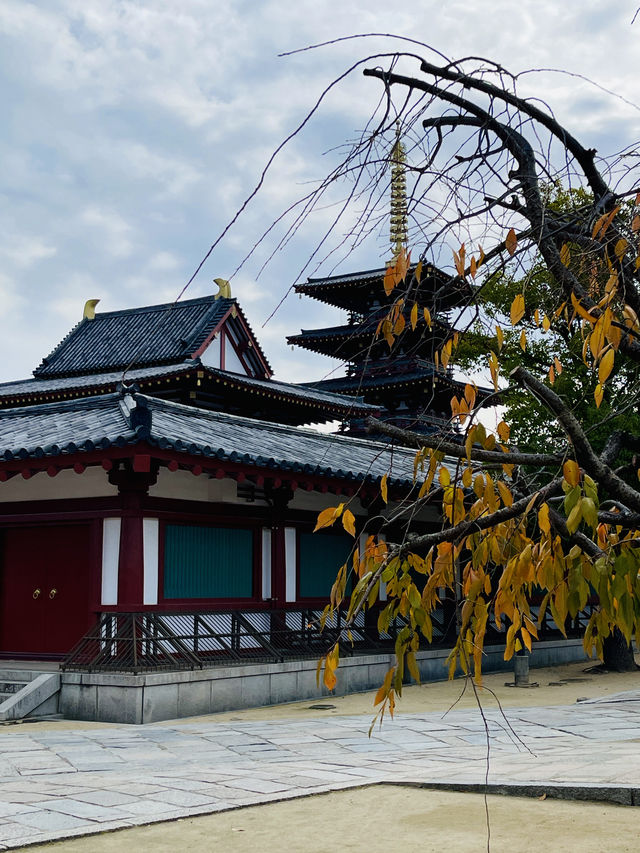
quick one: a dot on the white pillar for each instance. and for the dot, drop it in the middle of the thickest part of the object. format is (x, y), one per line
(266, 563)
(110, 558)
(150, 543)
(291, 563)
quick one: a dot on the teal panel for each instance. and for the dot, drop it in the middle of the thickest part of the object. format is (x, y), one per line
(207, 562)
(321, 555)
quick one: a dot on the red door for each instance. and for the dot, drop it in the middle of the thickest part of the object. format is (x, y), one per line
(44, 589)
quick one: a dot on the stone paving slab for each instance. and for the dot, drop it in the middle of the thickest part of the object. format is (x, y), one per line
(65, 783)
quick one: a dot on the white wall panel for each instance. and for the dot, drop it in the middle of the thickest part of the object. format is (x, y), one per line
(110, 560)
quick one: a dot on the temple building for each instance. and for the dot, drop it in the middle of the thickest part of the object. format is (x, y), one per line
(156, 483)
(402, 380)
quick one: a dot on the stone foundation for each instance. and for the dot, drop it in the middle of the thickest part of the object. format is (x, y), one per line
(121, 698)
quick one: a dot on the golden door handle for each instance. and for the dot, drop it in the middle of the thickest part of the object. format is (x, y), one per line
(53, 592)
(36, 593)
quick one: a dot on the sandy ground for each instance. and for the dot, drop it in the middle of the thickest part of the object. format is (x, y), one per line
(384, 818)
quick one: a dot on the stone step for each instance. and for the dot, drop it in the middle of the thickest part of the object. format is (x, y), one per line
(35, 697)
(9, 674)
(12, 686)
(42, 718)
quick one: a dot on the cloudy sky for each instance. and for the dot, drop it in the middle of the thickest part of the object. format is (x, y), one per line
(132, 130)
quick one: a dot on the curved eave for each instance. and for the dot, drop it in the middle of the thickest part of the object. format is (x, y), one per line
(314, 405)
(38, 459)
(357, 387)
(348, 291)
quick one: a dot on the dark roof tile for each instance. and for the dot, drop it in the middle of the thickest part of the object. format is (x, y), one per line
(54, 429)
(136, 337)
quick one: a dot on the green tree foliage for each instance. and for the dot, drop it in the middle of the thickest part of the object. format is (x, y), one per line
(552, 344)
(555, 513)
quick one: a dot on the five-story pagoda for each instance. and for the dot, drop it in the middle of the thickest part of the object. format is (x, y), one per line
(402, 375)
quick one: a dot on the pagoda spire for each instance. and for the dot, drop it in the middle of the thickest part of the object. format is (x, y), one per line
(398, 222)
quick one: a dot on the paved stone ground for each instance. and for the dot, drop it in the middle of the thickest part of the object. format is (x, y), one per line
(57, 784)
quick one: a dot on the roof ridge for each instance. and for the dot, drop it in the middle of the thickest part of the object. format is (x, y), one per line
(162, 306)
(288, 429)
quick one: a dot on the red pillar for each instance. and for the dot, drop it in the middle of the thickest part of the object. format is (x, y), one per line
(131, 559)
(133, 487)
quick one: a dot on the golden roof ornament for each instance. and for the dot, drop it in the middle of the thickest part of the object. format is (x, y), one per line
(89, 312)
(398, 220)
(224, 288)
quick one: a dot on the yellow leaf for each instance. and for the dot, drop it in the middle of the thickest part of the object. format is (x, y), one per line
(402, 264)
(444, 476)
(383, 489)
(389, 280)
(598, 394)
(330, 666)
(523, 340)
(630, 317)
(458, 260)
(414, 315)
(546, 323)
(349, 522)
(571, 472)
(511, 242)
(635, 224)
(418, 272)
(470, 395)
(505, 493)
(473, 267)
(565, 255)
(602, 224)
(552, 375)
(467, 476)
(543, 519)
(580, 310)
(412, 666)
(621, 248)
(383, 690)
(398, 326)
(427, 316)
(328, 516)
(575, 517)
(606, 366)
(504, 431)
(493, 368)
(557, 364)
(517, 309)
(500, 337)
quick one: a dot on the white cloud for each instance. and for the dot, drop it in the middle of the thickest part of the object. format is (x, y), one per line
(109, 229)
(134, 129)
(24, 250)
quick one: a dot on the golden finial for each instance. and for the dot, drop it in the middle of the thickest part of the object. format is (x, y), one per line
(89, 312)
(398, 226)
(224, 288)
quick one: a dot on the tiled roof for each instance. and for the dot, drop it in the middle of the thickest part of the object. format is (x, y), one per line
(54, 429)
(28, 389)
(155, 334)
(352, 290)
(359, 277)
(57, 429)
(43, 385)
(303, 392)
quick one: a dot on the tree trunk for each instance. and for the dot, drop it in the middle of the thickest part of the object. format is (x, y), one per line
(617, 654)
